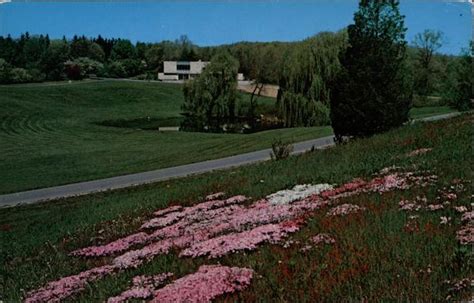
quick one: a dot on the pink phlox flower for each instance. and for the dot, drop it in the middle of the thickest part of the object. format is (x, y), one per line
(323, 239)
(134, 258)
(391, 182)
(209, 282)
(408, 206)
(444, 220)
(460, 209)
(451, 196)
(221, 224)
(467, 217)
(246, 240)
(306, 248)
(465, 235)
(57, 291)
(163, 221)
(143, 288)
(168, 210)
(112, 247)
(151, 281)
(434, 207)
(344, 209)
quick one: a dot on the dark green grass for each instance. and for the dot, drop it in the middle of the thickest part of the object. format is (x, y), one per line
(374, 258)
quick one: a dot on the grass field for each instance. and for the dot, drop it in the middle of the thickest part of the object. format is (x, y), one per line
(375, 258)
(54, 134)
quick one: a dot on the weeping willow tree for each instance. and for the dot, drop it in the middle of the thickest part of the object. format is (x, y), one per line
(209, 100)
(304, 95)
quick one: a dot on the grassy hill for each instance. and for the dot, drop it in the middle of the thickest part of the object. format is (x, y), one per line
(52, 135)
(384, 253)
(55, 134)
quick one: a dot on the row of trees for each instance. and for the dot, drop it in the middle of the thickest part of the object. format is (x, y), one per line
(41, 58)
(38, 58)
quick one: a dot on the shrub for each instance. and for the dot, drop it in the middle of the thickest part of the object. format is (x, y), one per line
(5, 69)
(36, 75)
(73, 71)
(116, 70)
(82, 67)
(132, 67)
(19, 75)
(281, 150)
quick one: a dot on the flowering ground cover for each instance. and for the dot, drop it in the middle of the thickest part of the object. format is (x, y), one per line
(375, 225)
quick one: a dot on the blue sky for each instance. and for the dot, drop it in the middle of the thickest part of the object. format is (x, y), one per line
(218, 22)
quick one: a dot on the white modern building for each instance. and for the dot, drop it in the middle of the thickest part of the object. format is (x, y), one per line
(184, 70)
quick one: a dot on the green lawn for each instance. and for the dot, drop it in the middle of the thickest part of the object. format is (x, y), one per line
(375, 257)
(423, 112)
(51, 135)
(54, 134)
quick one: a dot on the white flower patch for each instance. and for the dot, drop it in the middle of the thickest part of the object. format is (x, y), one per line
(298, 192)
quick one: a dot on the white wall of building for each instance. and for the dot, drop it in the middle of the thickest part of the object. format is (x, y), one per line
(170, 67)
(163, 77)
(197, 66)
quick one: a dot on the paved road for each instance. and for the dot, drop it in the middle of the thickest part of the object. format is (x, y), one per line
(88, 187)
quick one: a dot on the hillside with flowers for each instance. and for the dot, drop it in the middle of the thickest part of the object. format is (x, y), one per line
(347, 222)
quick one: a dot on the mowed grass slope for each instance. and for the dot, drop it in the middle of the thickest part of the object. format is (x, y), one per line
(375, 257)
(55, 134)
(51, 135)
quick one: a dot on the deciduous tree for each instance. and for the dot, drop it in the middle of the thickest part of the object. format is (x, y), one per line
(210, 98)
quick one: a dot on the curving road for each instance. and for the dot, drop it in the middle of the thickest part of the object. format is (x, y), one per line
(84, 188)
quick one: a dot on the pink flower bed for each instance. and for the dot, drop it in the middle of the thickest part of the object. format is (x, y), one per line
(408, 206)
(465, 235)
(247, 240)
(57, 291)
(113, 247)
(344, 210)
(215, 228)
(209, 282)
(323, 239)
(143, 288)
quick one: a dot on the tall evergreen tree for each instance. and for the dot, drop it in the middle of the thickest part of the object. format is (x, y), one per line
(370, 94)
